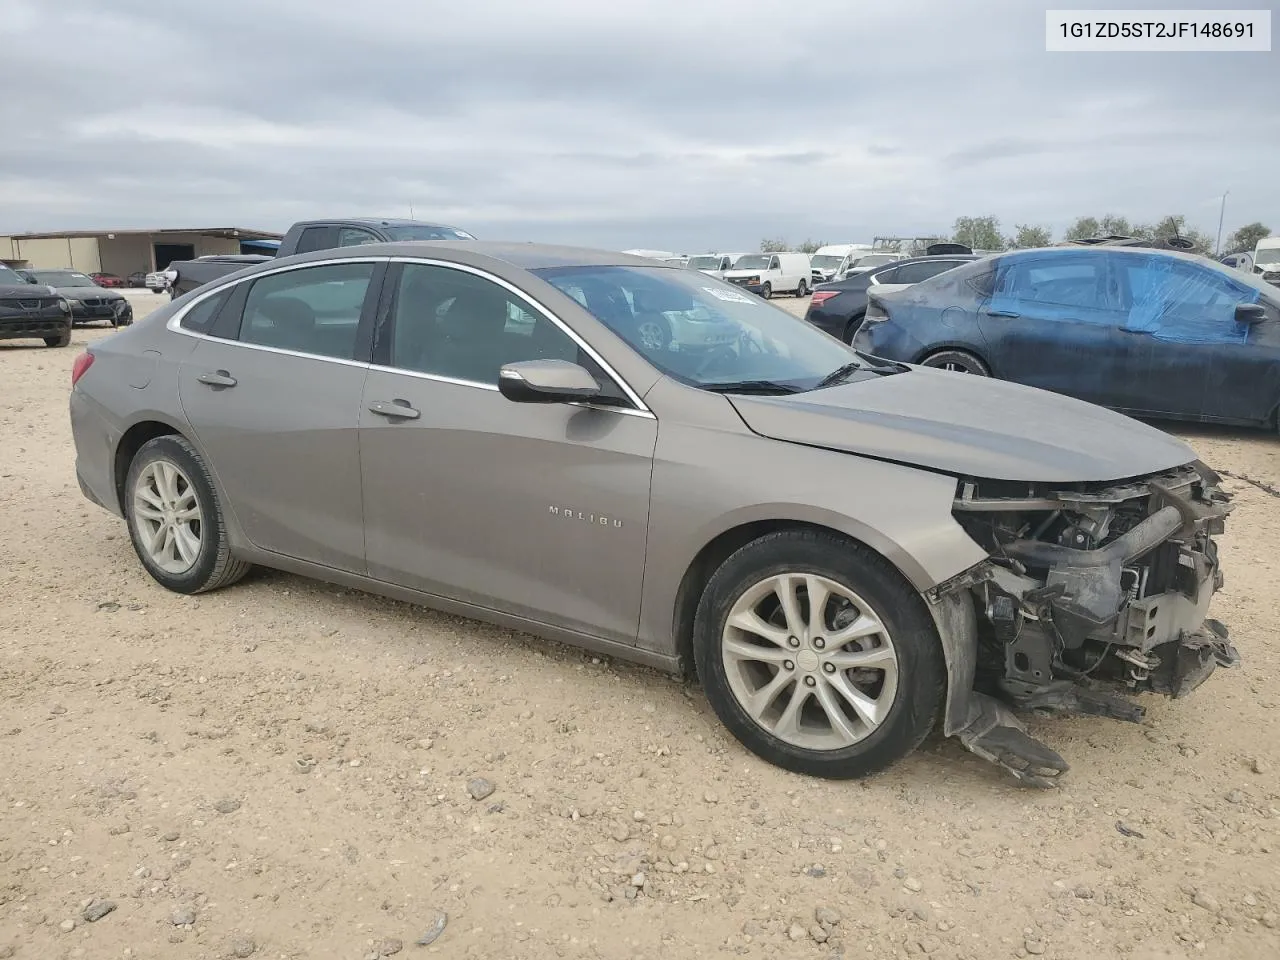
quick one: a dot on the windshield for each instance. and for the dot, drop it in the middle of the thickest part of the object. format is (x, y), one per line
(875, 260)
(426, 232)
(704, 332)
(8, 276)
(62, 278)
(705, 263)
(1268, 255)
(753, 261)
(825, 260)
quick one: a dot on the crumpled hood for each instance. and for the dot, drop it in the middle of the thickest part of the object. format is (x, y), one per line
(968, 425)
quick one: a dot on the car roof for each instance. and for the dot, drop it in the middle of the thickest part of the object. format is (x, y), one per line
(524, 256)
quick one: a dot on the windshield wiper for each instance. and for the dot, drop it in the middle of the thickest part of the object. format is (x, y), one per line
(751, 386)
(840, 373)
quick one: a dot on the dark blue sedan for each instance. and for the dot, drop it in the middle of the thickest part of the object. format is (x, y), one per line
(1148, 332)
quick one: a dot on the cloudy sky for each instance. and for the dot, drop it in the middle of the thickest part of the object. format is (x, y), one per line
(671, 124)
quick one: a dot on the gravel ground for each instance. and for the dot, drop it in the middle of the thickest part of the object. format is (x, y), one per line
(288, 769)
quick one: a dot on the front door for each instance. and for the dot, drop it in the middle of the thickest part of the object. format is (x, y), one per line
(272, 392)
(536, 510)
(1193, 359)
(1052, 322)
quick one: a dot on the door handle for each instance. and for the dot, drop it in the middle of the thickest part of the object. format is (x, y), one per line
(1003, 313)
(219, 378)
(395, 410)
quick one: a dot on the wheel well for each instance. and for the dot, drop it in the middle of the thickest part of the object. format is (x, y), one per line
(129, 446)
(706, 563)
(852, 325)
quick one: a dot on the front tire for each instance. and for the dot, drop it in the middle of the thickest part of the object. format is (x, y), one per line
(61, 340)
(767, 291)
(175, 520)
(839, 688)
(802, 290)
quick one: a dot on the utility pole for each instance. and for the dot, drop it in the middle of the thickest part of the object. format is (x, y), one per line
(411, 216)
(1217, 249)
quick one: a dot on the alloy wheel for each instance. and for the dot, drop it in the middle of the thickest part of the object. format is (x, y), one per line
(809, 661)
(168, 516)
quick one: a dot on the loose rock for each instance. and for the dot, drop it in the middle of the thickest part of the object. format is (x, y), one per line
(1258, 765)
(390, 947)
(480, 788)
(1235, 796)
(797, 932)
(1206, 901)
(170, 836)
(433, 932)
(98, 909)
(1270, 920)
(818, 933)
(183, 917)
(827, 916)
(1034, 947)
(227, 806)
(66, 926)
(912, 884)
(241, 947)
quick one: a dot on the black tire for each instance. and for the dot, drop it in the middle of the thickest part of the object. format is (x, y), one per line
(214, 566)
(851, 329)
(961, 361)
(921, 682)
(802, 290)
(767, 291)
(61, 340)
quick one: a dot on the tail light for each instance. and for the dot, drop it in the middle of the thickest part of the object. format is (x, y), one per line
(822, 296)
(82, 363)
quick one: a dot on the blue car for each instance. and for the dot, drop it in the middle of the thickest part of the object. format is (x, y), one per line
(1148, 332)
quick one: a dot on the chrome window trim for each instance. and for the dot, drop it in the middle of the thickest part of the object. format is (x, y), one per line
(631, 394)
(174, 323)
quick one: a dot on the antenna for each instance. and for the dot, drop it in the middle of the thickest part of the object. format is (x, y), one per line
(411, 211)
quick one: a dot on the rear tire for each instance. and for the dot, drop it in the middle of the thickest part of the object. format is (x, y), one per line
(61, 340)
(776, 688)
(960, 361)
(767, 291)
(802, 290)
(175, 521)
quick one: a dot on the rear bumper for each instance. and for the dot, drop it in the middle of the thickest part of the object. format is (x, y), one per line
(95, 440)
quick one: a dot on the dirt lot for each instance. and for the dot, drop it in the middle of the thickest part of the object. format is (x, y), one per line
(281, 770)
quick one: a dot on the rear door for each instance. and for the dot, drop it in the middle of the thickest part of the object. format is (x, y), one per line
(536, 510)
(272, 391)
(1052, 322)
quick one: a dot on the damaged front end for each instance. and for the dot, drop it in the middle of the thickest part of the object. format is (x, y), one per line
(1089, 593)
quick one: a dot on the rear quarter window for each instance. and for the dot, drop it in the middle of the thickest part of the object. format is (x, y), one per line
(199, 319)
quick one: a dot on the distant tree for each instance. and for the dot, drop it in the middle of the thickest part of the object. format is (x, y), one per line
(1115, 225)
(1083, 229)
(1246, 238)
(812, 246)
(773, 246)
(1026, 236)
(978, 233)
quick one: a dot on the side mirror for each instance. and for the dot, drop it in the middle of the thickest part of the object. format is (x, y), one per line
(546, 381)
(1250, 313)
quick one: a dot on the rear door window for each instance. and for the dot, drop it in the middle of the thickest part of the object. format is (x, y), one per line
(918, 272)
(315, 310)
(316, 238)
